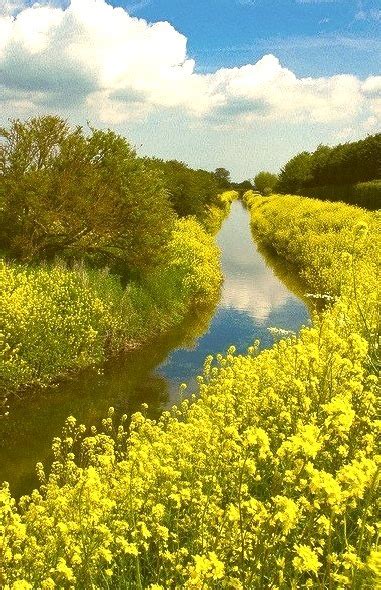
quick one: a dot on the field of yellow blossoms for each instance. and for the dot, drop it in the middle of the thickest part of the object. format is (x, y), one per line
(266, 478)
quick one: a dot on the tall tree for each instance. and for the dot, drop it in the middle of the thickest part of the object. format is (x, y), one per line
(265, 182)
(65, 192)
(190, 191)
(223, 177)
(296, 173)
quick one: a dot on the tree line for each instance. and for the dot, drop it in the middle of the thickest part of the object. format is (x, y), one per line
(344, 165)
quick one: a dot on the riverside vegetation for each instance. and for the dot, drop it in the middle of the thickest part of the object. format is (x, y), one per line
(56, 318)
(266, 478)
(102, 251)
(349, 172)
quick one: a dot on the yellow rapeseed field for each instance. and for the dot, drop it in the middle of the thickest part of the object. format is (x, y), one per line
(266, 478)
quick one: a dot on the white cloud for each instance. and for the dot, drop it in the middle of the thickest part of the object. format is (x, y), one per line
(258, 298)
(115, 67)
(374, 14)
(13, 7)
(101, 54)
(371, 124)
(372, 86)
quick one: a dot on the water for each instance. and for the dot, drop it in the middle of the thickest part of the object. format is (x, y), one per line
(253, 298)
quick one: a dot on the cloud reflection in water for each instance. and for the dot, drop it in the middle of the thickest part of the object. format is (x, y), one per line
(252, 300)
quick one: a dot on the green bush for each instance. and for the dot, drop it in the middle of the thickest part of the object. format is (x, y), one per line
(68, 194)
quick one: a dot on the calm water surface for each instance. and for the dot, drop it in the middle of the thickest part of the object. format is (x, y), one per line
(253, 298)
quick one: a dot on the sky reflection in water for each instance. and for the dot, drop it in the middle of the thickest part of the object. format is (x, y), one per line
(253, 299)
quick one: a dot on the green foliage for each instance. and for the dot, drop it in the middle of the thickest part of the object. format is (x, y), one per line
(223, 177)
(190, 191)
(55, 319)
(214, 215)
(296, 173)
(342, 166)
(79, 196)
(265, 182)
(242, 187)
(267, 480)
(90, 199)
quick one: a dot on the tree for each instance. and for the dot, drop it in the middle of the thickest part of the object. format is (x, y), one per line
(242, 187)
(296, 173)
(190, 191)
(319, 163)
(265, 182)
(223, 177)
(342, 165)
(90, 196)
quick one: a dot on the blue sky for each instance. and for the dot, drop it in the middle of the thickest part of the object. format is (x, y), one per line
(243, 84)
(313, 38)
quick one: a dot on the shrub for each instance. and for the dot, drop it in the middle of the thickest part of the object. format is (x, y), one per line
(363, 194)
(69, 194)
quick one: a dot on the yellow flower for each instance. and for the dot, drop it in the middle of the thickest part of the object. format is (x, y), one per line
(127, 548)
(374, 564)
(287, 513)
(208, 566)
(306, 559)
(48, 584)
(21, 585)
(66, 571)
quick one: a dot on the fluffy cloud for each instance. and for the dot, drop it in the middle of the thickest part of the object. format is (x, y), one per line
(115, 67)
(371, 88)
(91, 51)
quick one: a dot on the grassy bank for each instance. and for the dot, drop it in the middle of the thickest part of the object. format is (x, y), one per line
(85, 195)
(55, 319)
(268, 480)
(333, 246)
